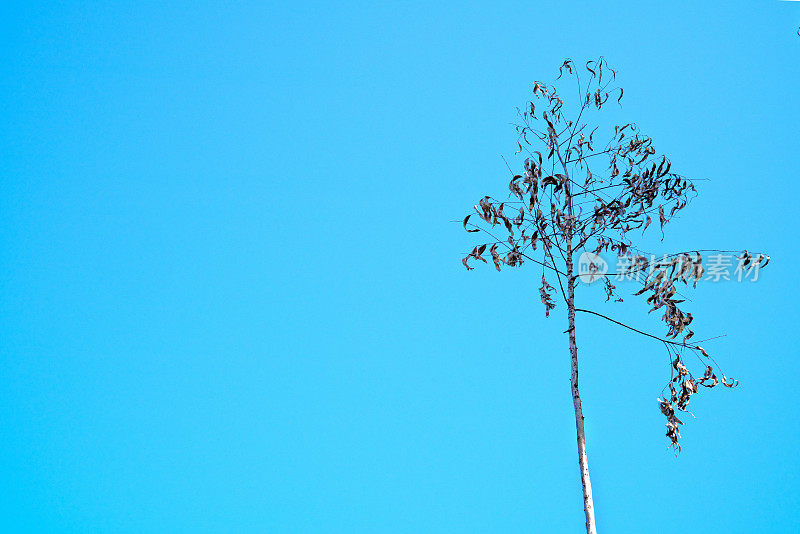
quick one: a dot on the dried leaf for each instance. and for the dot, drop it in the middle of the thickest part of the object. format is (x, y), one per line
(464, 261)
(495, 257)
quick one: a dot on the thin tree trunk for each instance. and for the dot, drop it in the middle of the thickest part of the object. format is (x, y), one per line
(583, 462)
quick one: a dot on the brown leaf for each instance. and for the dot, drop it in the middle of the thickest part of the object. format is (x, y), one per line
(477, 251)
(549, 180)
(733, 383)
(495, 257)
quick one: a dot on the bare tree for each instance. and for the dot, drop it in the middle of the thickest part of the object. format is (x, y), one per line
(578, 194)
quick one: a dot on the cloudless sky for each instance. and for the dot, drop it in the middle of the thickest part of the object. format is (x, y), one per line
(231, 294)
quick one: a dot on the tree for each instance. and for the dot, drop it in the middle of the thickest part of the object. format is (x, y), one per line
(580, 195)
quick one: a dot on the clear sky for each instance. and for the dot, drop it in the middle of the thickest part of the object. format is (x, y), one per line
(231, 294)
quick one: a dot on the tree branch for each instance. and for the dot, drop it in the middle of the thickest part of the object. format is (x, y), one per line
(636, 330)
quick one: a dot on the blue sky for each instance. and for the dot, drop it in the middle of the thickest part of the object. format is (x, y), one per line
(232, 298)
